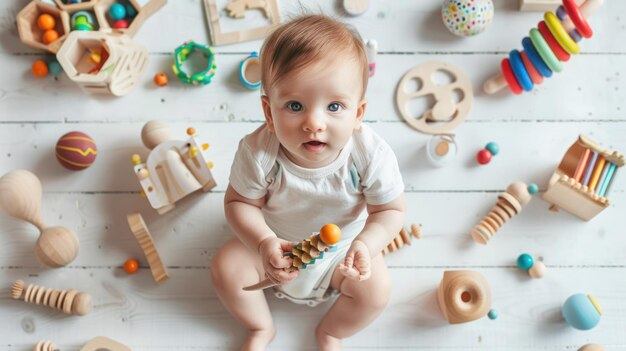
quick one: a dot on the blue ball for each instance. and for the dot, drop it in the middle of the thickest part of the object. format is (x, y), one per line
(117, 11)
(131, 11)
(493, 314)
(493, 148)
(581, 311)
(533, 188)
(525, 261)
(54, 68)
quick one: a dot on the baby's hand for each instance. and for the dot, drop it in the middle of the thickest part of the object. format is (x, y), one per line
(272, 251)
(357, 264)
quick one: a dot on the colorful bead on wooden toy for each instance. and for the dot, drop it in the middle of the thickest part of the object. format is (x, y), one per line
(552, 42)
(76, 151)
(69, 301)
(307, 252)
(182, 53)
(467, 17)
(582, 311)
(250, 71)
(463, 296)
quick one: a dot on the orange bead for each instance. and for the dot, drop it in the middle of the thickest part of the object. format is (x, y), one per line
(39, 69)
(49, 36)
(330, 234)
(45, 21)
(131, 266)
(191, 131)
(160, 79)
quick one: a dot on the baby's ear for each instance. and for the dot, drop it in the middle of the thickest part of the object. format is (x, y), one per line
(360, 113)
(267, 110)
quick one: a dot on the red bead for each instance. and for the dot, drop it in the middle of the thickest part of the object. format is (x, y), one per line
(120, 24)
(483, 156)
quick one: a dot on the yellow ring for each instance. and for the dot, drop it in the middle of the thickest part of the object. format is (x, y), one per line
(556, 28)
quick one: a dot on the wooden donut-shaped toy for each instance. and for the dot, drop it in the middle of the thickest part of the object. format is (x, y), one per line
(464, 296)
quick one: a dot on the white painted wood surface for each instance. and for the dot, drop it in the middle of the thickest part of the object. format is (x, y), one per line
(533, 130)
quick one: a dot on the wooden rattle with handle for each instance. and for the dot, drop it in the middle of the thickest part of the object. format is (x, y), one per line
(20, 197)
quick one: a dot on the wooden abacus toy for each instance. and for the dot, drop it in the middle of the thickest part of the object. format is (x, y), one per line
(463, 296)
(45, 345)
(583, 179)
(546, 48)
(69, 301)
(402, 239)
(174, 168)
(509, 204)
(20, 197)
(307, 252)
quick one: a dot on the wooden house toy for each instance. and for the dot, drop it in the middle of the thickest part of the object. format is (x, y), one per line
(173, 169)
(582, 181)
(32, 32)
(102, 62)
(464, 296)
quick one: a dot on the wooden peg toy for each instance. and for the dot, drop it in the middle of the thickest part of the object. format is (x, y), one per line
(307, 252)
(509, 204)
(20, 197)
(551, 43)
(141, 233)
(463, 296)
(45, 345)
(174, 168)
(69, 301)
(102, 343)
(582, 181)
(403, 238)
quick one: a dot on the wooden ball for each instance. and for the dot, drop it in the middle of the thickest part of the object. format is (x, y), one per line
(154, 133)
(519, 190)
(82, 304)
(592, 347)
(538, 270)
(76, 151)
(57, 247)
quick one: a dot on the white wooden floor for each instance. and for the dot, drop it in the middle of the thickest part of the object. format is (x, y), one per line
(533, 131)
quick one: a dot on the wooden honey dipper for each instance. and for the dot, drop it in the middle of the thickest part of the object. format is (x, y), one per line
(45, 345)
(403, 238)
(509, 204)
(69, 301)
(20, 197)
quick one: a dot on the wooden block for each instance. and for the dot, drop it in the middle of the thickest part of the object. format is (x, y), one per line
(140, 230)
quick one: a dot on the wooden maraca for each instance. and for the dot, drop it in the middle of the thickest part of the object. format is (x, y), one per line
(20, 197)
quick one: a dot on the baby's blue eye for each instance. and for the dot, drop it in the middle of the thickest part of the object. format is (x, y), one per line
(334, 107)
(294, 106)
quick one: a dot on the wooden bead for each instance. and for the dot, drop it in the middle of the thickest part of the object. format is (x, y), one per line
(519, 190)
(538, 270)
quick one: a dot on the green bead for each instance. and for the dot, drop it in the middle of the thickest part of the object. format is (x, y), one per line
(493, 148)
(493, 314)
(525, 261)
(533, 188)
(83, 26)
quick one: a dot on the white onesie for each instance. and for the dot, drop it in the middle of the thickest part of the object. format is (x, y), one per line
(299, 201)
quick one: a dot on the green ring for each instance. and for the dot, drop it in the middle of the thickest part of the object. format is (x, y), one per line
(544, 51)
(181, 54)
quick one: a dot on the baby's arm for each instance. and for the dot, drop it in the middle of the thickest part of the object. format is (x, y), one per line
(382, 225)
(245, 217)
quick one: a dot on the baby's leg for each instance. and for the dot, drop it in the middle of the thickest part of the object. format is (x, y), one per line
(233, 267)
(357, 306)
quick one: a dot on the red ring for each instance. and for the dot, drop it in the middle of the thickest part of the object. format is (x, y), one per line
(507, 71)
(573, 12)
(556, 48)
(535, 76)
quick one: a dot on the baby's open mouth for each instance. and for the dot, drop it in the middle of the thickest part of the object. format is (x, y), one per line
(314, 145)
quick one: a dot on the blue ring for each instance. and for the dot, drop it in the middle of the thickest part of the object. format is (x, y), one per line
(534, 57)
(520, 71)
(242, 78)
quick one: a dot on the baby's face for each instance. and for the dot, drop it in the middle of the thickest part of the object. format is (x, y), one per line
(314, 110)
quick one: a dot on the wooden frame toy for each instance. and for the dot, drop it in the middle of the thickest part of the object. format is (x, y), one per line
(173, 169)
(271, 10)
(20, 197)
(463, 296)
(446, 114)
(69, 301)
(551, 43)
(133, 22)
(582, 181)
(32, 35)
(142, 234)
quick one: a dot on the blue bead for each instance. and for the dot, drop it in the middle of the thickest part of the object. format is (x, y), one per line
(493, 148)
(54, 68)
(117, 11)
(493, 314)
(580, 313)
(525, 261)
(130, 10)
(533, 188)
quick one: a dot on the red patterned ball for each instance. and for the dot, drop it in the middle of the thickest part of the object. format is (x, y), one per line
(76, 151)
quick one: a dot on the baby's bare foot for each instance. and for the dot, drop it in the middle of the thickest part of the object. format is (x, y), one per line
(259, 339)
(327, 342)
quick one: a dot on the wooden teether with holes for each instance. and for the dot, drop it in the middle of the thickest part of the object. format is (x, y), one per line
(69, 301)
(445, 115)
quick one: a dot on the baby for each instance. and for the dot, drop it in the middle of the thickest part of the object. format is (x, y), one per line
(311, 163)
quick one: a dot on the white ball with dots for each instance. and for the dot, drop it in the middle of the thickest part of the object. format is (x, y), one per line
(467, 17)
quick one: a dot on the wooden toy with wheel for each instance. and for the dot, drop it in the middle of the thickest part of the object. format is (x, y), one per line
(463, 296)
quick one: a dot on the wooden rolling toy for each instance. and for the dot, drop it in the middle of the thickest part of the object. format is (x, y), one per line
(509, 204)
(307, 252)
(174, 168)
(551, 43)
(402, 239)
(20, 197)
(69, 301)
(463, 296)
(582, 181)
(141, 233)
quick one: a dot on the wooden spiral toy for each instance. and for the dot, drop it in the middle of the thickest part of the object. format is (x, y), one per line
(509, 204)
(69, 301)
(402, 239)
(306, 252)
(553, 41)
(20, 197)
(45, 345)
